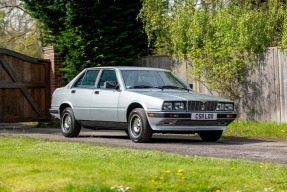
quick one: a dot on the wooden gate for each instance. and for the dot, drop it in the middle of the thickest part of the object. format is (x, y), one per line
(24, 87)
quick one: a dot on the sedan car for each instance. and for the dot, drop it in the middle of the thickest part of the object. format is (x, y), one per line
(141, 101)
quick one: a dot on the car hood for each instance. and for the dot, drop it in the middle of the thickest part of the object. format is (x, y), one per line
(180, 95)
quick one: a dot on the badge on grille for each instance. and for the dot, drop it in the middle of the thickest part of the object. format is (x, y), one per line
(203, 107)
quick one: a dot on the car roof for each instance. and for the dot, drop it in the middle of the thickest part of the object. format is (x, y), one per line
(130, 68)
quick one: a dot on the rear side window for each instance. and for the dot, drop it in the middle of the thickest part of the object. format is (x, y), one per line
(87, 80)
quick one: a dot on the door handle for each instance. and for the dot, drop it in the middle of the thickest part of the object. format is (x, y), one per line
(73, 91)
(97, 92)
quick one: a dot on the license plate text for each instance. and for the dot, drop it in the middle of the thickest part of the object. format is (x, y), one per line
(203, 116)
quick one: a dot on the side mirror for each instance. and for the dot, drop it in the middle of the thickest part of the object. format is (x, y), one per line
(191, 86)
(111, 85)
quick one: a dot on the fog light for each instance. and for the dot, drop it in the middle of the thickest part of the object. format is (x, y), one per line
(172, 115)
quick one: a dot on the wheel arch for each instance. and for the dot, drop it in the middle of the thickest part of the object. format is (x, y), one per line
(64, 106)
(131, 107)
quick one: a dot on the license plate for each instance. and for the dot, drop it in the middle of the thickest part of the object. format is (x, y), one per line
(204, 116)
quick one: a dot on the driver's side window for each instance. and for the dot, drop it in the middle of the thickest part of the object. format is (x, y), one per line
(108, 80)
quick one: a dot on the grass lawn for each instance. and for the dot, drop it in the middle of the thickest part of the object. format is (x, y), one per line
(257, 130)
(29, 164)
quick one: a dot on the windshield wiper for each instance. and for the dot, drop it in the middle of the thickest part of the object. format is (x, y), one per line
(160, 87)
(173, 87)
(143, 87)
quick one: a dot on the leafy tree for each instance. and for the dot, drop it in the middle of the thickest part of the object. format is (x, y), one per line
(219, 38)
(91, 32)
(18, 31)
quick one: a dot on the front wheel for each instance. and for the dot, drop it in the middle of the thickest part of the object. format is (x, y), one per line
(210, 136)
(139, 129)
(69, 126)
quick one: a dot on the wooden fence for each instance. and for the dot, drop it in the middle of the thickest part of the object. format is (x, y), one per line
(263, 98)
(24, 87)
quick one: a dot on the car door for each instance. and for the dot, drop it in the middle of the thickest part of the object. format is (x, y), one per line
(105, 98)
(81, 94)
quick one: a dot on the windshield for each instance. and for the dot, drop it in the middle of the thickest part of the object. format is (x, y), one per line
(139, 79)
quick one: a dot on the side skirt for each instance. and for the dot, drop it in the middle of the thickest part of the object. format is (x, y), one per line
(99, 125)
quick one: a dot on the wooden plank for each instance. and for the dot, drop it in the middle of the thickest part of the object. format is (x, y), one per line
(32, 102)
(12, 107)
(8, 69)
(254, 91)
(40, 74)
(33, 73)
(43, 74)
(47, 90)
(19, 119)
(20, 104)
(37, 96)
(22, 85)
(15, 65)
(8, 100)
(22, 57)
(28, 110)
(283, 85)
(37, 73)
(4, 77)
(41, 94)
(268, 75)
(27, 70)
(276, 116)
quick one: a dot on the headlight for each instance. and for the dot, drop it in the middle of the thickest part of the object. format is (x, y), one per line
(179, 106)
(220, 107)
(225, 107)
(174, 105)
(228, 107)
(167, 106)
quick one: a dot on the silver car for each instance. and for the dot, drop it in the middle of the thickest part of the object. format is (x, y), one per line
(141, 101)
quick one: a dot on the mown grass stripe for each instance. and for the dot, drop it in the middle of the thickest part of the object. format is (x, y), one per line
(30, 164)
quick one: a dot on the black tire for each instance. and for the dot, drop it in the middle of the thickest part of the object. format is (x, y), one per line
(138, 127)
(210, 136)
(69, 125)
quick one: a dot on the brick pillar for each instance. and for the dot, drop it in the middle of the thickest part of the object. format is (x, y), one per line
(56, 63)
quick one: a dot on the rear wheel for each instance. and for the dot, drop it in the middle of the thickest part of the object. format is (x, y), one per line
(139, 129)
(69, 126)
(210, 136)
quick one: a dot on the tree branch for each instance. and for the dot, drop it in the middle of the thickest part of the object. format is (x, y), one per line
(17, 36)
(5, 6)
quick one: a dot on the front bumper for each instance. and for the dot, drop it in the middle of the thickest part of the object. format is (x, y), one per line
(181, 121)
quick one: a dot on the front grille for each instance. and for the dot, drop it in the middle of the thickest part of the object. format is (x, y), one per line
(202, 105)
